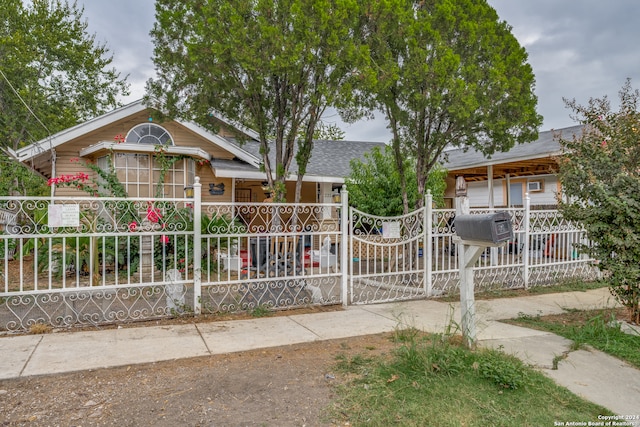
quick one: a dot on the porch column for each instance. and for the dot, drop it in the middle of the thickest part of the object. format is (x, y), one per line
(492, 251)
(490, 183)
(326, 197)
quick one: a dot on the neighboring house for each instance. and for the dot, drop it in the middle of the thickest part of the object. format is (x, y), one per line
(229, 170)
(505, 178)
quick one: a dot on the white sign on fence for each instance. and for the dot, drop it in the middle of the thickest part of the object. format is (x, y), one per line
(391, 229)
(64, 215)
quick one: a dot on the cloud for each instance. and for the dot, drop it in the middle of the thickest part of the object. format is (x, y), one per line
(577, 50)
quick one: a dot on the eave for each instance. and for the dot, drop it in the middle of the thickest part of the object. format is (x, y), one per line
(105, 146)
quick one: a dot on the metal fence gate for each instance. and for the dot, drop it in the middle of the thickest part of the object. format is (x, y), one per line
(388, 257)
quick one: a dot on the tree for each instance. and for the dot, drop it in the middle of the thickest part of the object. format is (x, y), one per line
(274, 66)
(374, 184)
(16, 179)
(330, 132)
(446, 73)
(600, 178)
(53, 74)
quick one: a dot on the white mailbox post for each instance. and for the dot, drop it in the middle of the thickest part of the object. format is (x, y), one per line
(474, 234)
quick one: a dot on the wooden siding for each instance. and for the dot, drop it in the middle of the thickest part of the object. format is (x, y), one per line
(182, 137)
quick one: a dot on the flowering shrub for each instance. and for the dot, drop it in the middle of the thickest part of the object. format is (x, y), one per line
(153, 214)
(108, 186)
(79, 178)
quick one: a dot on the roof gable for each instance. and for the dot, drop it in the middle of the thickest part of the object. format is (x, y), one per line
(45, 146)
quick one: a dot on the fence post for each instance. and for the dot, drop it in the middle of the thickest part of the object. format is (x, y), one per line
(197, 246)
(427, 244)
(527, 238)
(345, 226)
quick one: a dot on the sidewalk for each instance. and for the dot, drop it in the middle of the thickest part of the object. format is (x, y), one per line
(590, 374)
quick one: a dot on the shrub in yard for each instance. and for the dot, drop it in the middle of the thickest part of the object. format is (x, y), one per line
(601, 190)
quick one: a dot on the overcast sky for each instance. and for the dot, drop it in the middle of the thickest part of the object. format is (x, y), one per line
(578, 49)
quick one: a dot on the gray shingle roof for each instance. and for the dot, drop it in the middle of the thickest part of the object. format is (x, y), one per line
(328, 158)
(546, 145)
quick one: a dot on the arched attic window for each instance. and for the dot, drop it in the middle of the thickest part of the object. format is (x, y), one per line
(149, 133)
(142, 174)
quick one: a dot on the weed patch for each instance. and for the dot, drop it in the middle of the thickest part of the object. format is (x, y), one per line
(433, 380)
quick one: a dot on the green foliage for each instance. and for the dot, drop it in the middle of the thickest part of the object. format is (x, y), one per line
(16, 178)
(107, 183)
(330, 132)
(439, 355)
(176, 250)
(80, 253)
(273, 66)
(48, 60)
(601, 190)
(172, 251)
(447, 73)
(7, 246)
(433, 381)
(504, 371)
(261, 311)
(374, 184)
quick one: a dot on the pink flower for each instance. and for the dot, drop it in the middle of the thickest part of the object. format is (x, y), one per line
(133, 225)
(164, 240)
(153, 214)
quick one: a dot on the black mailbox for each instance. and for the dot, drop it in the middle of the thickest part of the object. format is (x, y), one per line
(491, 228)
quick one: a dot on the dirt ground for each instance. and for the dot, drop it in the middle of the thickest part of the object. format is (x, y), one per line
(283, 386)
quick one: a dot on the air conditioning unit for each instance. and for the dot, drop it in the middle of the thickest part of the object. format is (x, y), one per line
(534, 186)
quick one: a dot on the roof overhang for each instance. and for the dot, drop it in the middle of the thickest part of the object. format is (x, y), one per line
(105, 146)
(529, 167)
(221, 173)
(49, 144)
(223, 143)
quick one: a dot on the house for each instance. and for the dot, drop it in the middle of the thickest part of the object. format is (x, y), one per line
(228, 162)
(503, 179)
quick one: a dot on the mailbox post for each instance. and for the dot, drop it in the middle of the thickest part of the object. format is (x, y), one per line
(475, 233)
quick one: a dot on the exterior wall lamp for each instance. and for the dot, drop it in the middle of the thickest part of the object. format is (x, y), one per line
(188, 192)
(336, 197)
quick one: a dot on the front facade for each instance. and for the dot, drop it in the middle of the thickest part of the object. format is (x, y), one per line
(160, 159)
(504, 179)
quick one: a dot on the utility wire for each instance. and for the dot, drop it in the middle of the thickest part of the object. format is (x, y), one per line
(24, 103)
(28, 108)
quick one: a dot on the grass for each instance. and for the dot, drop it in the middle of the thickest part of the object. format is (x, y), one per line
(261, 311)
(432, 380)
(596, 328)
(40, 328)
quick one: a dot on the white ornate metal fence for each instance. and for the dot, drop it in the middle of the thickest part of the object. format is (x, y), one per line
(82, 260)
(413, 256)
